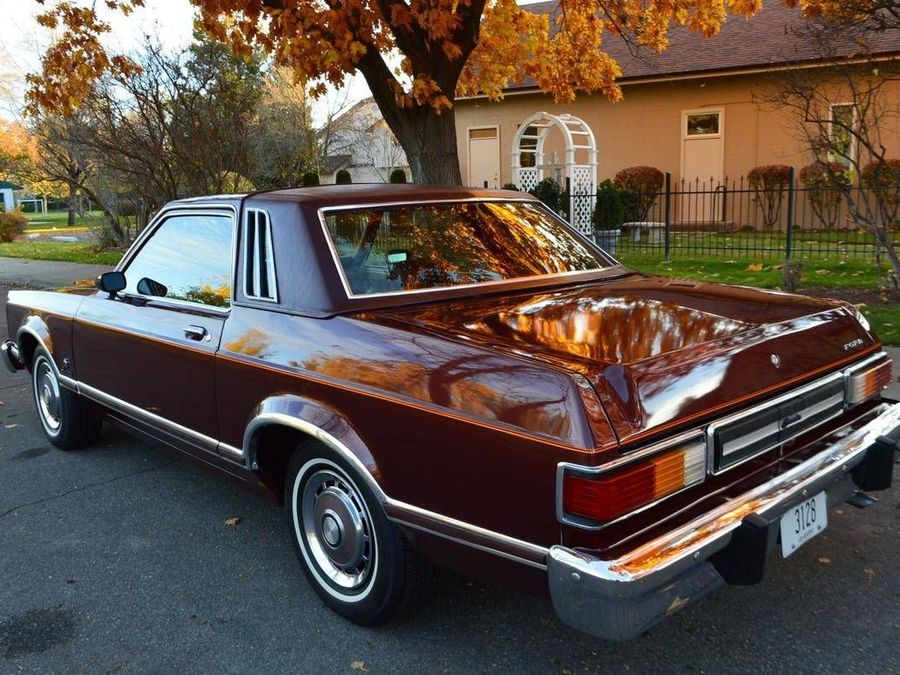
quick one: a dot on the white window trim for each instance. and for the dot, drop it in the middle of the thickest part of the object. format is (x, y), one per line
(833, 156)
(250, 257)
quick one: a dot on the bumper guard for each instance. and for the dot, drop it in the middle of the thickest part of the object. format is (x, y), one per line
(11, 357)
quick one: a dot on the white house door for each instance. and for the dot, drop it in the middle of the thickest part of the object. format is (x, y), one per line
(702, 164)
(484, 157)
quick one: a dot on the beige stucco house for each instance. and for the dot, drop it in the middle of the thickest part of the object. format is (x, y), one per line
(693, 110)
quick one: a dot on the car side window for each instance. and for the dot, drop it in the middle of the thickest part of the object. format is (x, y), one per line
(188, 258)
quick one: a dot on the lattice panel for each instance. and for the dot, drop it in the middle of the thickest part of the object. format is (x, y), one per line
(581, 201)
(528, 178)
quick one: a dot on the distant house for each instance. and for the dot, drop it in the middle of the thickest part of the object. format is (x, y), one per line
(359, 141)
(7, 195)
(689, 110)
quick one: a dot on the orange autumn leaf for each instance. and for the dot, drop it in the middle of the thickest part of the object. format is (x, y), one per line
(448, 47)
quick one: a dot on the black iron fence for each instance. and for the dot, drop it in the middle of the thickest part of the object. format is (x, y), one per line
(733, 219)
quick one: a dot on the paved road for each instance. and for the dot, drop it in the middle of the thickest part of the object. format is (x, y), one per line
(45, 273)
(118, 559)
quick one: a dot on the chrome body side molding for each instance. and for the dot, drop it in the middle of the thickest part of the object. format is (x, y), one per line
(151, 419)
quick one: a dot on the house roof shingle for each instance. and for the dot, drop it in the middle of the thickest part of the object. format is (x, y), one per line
(768, 39)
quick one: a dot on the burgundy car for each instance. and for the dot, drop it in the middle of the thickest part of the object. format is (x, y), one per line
(456, 376)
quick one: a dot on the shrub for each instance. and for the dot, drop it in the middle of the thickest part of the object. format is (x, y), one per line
(645, 183)
(343, 177)
(769, 182)
(510, 186)
(398, 176)
(310, 178)
(549, 192)
(12, 224)
(631, 203)
(823, 182)
(609, 212)
(883, 176)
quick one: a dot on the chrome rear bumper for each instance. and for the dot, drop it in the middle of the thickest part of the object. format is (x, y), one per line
(618, 599)
(9, 354)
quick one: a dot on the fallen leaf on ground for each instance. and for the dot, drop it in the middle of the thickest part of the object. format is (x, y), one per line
(825, 561)
(232, 522)
(755, 267)
(870, 573)
(359, 665)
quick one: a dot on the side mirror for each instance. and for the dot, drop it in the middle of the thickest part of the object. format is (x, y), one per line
(111, 282)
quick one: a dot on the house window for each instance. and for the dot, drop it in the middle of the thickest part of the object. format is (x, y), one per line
(702, 124)
(843, 122)
(483, 133)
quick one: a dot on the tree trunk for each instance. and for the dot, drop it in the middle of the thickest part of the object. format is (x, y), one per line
(427, 138)
(71, 204)
(429, 141)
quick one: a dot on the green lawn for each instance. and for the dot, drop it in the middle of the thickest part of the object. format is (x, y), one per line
(759, 273)
(60, 219)
(59, 250)
(885, 321)
(762, 244)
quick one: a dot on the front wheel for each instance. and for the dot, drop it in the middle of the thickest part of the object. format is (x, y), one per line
(358, 562)
(64, 416)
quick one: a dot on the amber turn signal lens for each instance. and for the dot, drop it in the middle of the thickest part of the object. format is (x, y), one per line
(864, 384)
(608, 496)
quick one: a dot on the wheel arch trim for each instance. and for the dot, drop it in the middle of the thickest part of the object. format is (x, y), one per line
(316, 421)
(36, 329)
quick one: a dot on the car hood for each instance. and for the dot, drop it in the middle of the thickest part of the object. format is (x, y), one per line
(661, 352)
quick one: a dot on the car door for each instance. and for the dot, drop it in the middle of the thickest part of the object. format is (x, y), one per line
(149, 352)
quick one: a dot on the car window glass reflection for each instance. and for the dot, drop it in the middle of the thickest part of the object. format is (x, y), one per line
(411, 248)
(187, 258)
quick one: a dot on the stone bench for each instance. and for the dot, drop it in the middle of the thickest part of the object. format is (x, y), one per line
(654, 231)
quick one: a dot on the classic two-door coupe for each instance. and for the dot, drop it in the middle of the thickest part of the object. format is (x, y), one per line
(457, 376)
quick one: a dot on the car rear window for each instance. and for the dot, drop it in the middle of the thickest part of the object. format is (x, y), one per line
(397, 249)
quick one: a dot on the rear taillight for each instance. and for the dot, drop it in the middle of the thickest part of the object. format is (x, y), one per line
(867, 382)
(600, 497)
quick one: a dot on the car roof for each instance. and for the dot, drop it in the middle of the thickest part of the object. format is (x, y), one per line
(323, 196)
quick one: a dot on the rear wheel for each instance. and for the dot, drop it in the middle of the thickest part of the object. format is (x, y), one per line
(358, 562)
(64, 415)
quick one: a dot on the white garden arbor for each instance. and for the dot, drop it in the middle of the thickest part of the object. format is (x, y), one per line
(578, 171)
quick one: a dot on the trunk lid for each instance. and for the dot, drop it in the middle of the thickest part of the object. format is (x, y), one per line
(661, 353)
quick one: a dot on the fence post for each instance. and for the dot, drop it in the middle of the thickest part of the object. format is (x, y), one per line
(668, 211)
(789, 240)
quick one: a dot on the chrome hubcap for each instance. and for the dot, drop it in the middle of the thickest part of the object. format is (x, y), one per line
(47, 394)
(337, 529)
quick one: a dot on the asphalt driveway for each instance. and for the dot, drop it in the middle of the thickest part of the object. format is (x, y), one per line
(118, 559)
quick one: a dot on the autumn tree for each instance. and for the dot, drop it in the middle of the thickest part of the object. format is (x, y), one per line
(282, 139)
(444, 48)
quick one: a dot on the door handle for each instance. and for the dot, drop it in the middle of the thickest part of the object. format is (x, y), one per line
(196, 333)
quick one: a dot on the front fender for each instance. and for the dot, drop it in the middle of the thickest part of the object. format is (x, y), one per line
(35, 327)
(319, 421)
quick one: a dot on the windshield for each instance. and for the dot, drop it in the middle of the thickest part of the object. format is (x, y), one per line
(415, 247)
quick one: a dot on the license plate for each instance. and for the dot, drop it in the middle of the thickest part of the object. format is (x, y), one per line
(802, 523)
